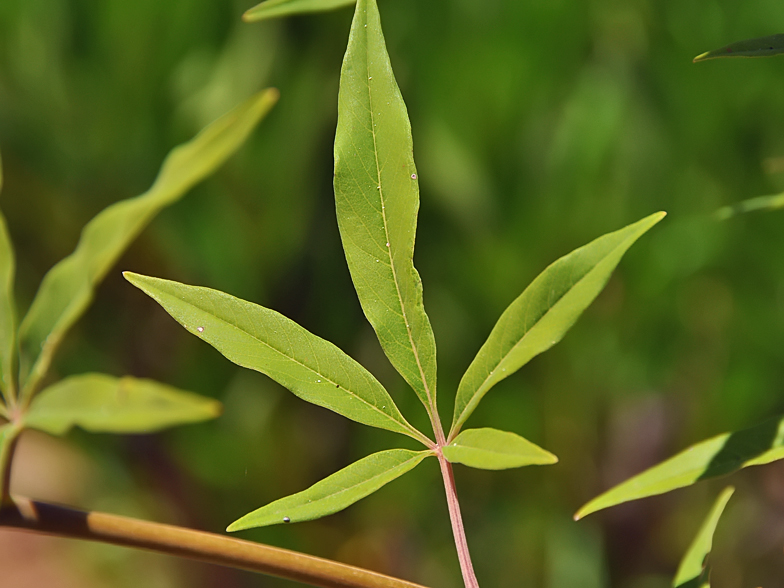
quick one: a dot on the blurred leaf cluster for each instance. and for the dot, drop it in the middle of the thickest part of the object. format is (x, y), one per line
(536, 126)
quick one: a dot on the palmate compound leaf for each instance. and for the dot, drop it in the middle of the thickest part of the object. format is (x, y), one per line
(336, 492)
(718, 456)
(7, 313)
(543, 313)
(774, 202)
(67, 289)
(759, 47)
(104, 404)
(377, 199)
(266, 341)
(276, 8)
(693, 571)
(491, 449)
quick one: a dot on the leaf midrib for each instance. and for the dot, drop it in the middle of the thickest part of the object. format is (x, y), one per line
(414, 348)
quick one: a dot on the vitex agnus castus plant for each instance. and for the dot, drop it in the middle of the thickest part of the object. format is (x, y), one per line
(377, 200)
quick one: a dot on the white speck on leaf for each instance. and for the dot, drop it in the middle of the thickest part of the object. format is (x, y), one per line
(200, 329)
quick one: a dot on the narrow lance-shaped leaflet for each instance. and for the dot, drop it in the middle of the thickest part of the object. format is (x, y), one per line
(693, 572)
(278, 8)
(7, 312)
(759, 47)
(266, 341)
(336, 492)
(491, 449)
(718, 456)
(377, 200)
(543, 313)
(100, 403)
(774, 202)
(67, 289)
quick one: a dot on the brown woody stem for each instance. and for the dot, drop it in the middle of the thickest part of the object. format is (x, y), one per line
(41, 517)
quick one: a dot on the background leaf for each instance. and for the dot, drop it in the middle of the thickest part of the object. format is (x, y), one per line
(276, 8)
(104, 404)
(7, 311)
(693, 570)
(491, 449)
(543, 313)
(759, 47)
(336, 492)
(714, 457)
(266, 341)
(67, 288)
(774, 202)
(377, 198)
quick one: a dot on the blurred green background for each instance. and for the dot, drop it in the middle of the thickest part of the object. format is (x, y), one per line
(537, 127)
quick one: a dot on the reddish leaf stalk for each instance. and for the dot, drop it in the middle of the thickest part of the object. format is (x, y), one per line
(50, 519)
(466, 566)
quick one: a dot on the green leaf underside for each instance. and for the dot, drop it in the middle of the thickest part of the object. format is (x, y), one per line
(718, 456)
(7, 314)
(693, 570)
(759, 47)
(543, 313)
(491, 449)
(336, 492)
(276, 8)
(104, 404)
(263, 340)
(774, 202)
(67, 289)
(377, 199)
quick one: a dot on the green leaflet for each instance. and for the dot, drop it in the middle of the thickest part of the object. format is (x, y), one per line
(68, 287)
(693, 571)
(263, 340)
(714, 457)
(336, 492)
(759, 203)
(7, 313)
(105, 404)
(276, 8)
(377, 198)
(759, 47)
(543, 313)
(491, 449)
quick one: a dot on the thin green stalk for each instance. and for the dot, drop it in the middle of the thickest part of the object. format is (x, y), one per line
(8, 443)
(50, 519)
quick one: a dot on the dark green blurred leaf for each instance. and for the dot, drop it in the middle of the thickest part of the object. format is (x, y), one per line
(276, 8)
(104, 404)
(693, 570)
(774, 202)
(759, 47)
(714, 457)
(7, 311)
(67, 289)
(491, 449)
(336, 492)
(266, 341)
(377, 196)
(543, 313)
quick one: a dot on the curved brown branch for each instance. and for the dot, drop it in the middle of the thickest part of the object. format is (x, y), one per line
(50, 519)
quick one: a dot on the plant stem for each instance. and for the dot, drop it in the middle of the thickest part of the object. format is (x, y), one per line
(457, 523)
(50, 519)
(8, 443)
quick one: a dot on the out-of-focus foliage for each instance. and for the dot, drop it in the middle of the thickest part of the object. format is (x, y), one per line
(536, 127)
(693, 570)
